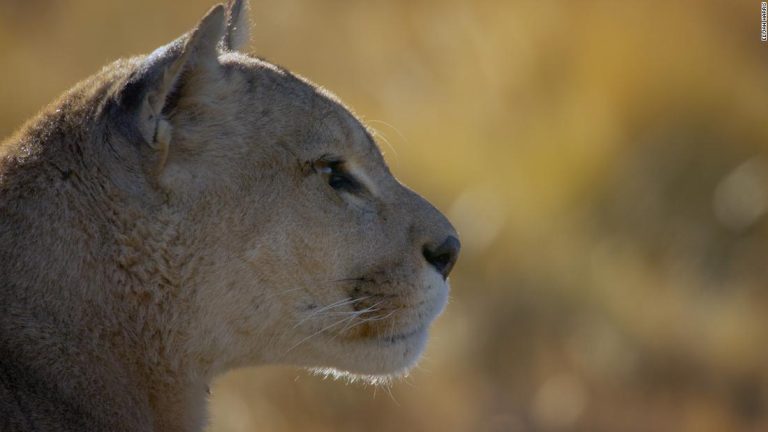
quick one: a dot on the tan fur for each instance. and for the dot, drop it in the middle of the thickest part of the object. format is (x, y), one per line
(171, 218)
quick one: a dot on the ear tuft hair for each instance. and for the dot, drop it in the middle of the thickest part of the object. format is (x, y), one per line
(238, 27)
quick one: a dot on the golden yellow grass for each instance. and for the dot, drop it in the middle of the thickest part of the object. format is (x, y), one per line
(606, 163)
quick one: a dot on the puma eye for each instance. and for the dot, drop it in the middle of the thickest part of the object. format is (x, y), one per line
(337, 176)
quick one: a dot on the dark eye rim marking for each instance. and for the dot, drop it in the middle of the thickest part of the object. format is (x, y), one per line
(337, 176)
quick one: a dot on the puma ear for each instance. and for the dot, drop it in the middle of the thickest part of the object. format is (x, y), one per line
(156, 87)
(238, 26)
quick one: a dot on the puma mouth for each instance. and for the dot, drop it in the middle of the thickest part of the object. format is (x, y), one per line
(393, 311)
(402, 337)
(388, 326)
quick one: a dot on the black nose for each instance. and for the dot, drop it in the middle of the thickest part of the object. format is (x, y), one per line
(443, 257)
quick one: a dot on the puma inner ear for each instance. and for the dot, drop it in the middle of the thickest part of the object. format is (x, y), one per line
(238, 26)
(160, 83)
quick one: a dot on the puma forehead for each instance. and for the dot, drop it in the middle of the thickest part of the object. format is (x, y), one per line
(194, 210)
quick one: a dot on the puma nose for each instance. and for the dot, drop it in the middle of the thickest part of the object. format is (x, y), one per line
(443, 257)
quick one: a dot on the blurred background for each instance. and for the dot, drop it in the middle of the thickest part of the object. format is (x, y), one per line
(606, 163)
